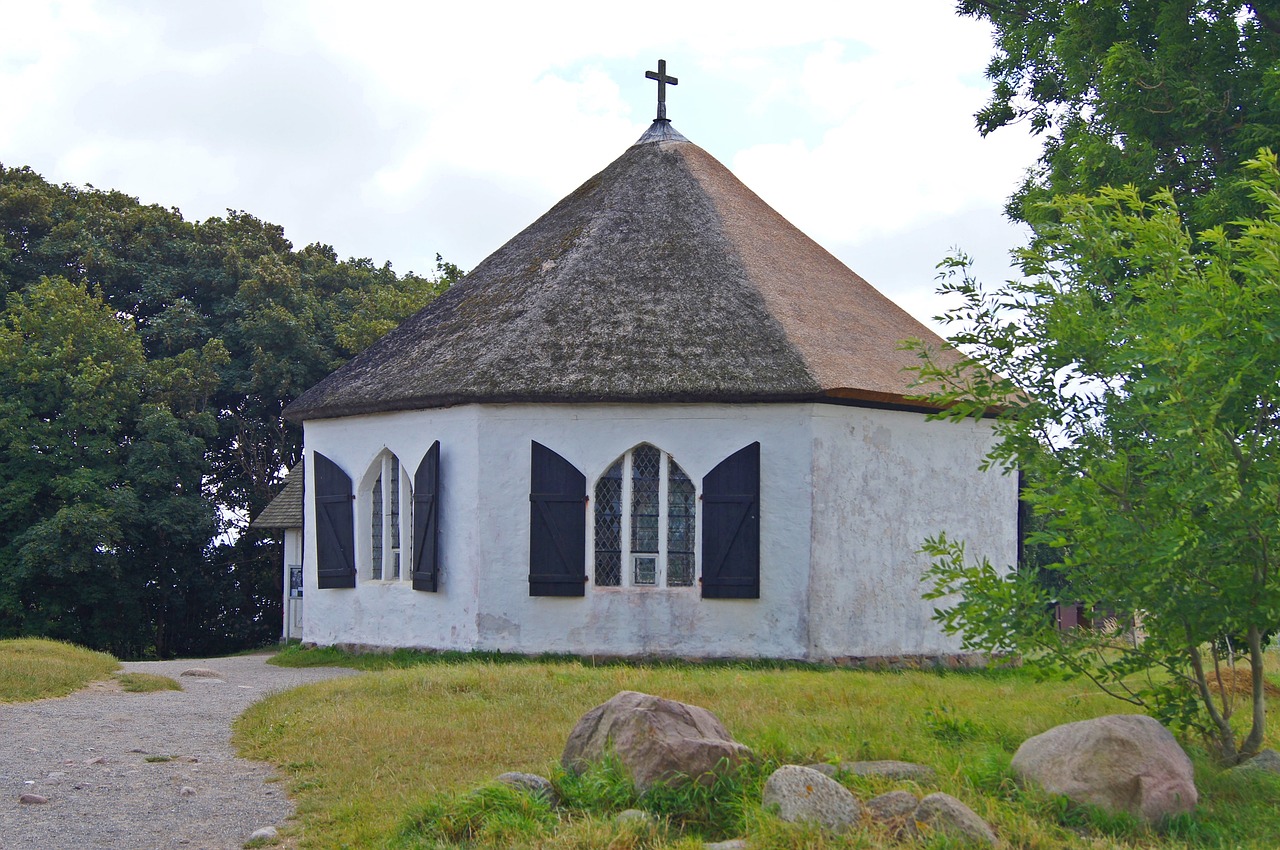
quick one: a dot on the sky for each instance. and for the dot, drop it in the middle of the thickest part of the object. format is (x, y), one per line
(399, 130)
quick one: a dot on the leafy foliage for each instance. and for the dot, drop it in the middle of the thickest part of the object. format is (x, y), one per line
(1170, 94)
(144, 365)
(1139, 373)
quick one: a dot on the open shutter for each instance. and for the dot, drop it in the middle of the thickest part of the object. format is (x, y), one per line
(426, 521)
(335, 525)
(557, 525)
(731, 527)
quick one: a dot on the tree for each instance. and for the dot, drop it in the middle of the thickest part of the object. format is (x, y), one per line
(1170, 94)
(1138, 373)
(230, 324)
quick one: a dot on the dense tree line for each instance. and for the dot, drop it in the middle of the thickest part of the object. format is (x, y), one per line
(144, 364)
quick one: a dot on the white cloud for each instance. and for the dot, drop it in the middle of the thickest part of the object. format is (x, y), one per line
(395, 130)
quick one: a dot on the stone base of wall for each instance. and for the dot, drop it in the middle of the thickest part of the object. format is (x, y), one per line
(946, 661)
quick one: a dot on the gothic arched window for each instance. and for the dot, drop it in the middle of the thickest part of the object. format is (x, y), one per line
(387, 506)
(645, 522)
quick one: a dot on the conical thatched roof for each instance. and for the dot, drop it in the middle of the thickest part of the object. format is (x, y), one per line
(662, 278)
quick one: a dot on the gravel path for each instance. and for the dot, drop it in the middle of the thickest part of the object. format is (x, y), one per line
(88, 754)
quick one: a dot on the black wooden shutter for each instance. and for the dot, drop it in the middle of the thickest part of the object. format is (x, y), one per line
(335, 526)
(557, 525)
(426, 521)
(731, 527)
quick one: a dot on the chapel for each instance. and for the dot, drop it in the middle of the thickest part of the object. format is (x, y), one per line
(660, 421)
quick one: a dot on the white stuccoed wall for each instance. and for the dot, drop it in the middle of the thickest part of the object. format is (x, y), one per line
(852, 490)
(883, 481)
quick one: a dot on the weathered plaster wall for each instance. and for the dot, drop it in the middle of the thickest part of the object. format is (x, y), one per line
(854, 490)
(883, 482)
(292, 607)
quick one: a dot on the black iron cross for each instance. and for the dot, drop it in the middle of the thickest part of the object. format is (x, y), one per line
(661, 76)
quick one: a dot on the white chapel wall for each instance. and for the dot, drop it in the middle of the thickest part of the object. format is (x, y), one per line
(883, 482)
(850, 491)
(484, 601)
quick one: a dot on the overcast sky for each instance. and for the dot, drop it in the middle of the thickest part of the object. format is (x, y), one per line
(396, 130)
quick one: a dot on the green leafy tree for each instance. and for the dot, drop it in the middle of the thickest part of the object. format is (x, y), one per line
(230, 324)
(1138, 370)
(1169, 94)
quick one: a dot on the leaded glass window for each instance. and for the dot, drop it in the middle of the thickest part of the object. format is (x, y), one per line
(387, 508)
(681, 506)
(645, 522)
(609, 527)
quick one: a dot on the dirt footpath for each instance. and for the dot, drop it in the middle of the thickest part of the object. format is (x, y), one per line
(141, 771)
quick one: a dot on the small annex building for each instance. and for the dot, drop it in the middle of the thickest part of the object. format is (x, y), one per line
(660, 421)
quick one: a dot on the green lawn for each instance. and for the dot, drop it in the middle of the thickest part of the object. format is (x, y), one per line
(371, 759)
(35, 668)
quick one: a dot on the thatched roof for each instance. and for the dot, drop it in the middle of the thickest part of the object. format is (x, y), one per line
(662, 278)
(285, 510)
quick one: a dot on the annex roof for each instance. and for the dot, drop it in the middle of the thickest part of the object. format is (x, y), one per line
(285, 510)
(661, 279)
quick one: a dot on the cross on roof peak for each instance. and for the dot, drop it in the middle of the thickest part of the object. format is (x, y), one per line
(661, 76)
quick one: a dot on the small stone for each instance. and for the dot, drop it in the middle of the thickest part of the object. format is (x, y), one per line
(732, 844)
(825, 768)
(1267, 760)
(890, 770)
(531, 783)
(894, 805)
(264, 834)
(32, 799)
(634, 815)
(801, 794)
(96, 760)
(186, 791)
(947, 815)
(201, 673)
(138, 750)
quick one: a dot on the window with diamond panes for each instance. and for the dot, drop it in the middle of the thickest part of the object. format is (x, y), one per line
(649, 542)
(388, 499)
(609, 527)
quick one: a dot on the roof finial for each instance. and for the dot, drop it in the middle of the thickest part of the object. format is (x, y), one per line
(661, 76)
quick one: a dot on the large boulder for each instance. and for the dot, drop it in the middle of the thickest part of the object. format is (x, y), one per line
(655, 740)
(804, 794)
(1122, 763)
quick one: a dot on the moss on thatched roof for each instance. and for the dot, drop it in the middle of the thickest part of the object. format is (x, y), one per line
(661, 279)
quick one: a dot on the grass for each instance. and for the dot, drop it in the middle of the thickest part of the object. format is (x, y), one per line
(145, 683)
(35, 668)
(393, 759)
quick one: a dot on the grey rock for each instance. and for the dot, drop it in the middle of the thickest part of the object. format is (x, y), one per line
(96, 760)
(803, 794)
(32, 799)
(894, 805)
(201, 673)
(1267, 760)
(890, 770)
(825, 768)
(186, 791)
(531, 783)
(264, 834)
(732, 844)
(1121, 763)
(945, 814)
(634, 815)
(656, 740)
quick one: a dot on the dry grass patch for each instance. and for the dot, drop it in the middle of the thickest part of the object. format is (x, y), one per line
(143, 683)
(36, 668)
